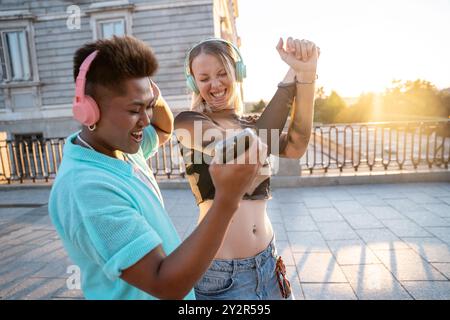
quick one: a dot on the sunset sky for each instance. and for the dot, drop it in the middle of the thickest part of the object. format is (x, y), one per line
(364, 44)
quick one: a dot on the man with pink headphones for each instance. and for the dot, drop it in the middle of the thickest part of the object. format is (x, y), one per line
(105, 203)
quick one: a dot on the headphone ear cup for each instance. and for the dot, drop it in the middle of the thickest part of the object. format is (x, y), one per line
(190, 82)
(241, 71)
(87, 111)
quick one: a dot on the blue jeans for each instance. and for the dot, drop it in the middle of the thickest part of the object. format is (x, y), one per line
(242, 279)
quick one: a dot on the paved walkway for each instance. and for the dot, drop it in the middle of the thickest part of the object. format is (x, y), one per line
(389, 241)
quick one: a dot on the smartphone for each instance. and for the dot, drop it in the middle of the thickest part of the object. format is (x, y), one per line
(231, 148)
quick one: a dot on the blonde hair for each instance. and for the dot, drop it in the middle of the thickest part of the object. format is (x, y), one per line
(225, 54)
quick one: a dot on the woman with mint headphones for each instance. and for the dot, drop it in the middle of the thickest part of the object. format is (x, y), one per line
(247, 265)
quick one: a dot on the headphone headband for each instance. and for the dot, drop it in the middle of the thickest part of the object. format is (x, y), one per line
(85, 109)
(239, 65)
(80, 83)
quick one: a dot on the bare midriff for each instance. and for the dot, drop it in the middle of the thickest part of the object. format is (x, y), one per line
(249, 232)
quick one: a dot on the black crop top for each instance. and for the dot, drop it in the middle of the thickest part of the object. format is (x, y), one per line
(273, 117)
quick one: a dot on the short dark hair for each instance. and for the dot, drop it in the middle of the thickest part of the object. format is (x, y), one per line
(118, 59)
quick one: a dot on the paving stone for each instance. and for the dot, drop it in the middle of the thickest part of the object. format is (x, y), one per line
(183, 211)
(294, 209)
(296, 287)
(317, 202)
(385, 213)
(435, 189)
(428, 290)
(280, 231)
(328, 291)
(338, 194)
(33, 263)
(404, 205)
(445, 199)
(381, 239)
(348, 252)
(336, 231)
(16, 197)
(304, 223)
(325, 215)
(370, 200)
(46, 253)
(374, 282)
(427, 219)
(55, 269)
(442, 233)
(9, 213)
(36, 288)
(430, 249)
(274, 215)
(422, 198)
(318, 267)
(444, 268)
(36, 237)
(273, 204)
(284, 250)
(349, 207)
(441, 210)
(406, 228)
(16, 272)
(181, 224)
(407, 265)
(307, 242)
(363, 221)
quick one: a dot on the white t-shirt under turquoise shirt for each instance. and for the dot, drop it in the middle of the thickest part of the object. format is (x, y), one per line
(108, 218)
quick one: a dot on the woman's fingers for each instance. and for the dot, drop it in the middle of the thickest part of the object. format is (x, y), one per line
(298, 49)
(304, 50)
(280, 49)
(310, 49)
(290, 46)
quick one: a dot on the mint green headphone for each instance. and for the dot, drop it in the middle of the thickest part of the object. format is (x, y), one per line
(241, 71)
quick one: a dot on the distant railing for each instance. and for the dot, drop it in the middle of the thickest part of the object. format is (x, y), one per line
(346, 147)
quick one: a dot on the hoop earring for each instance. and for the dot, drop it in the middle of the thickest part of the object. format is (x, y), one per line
(92, 127)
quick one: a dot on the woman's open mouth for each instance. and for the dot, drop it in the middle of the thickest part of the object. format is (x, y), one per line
(219, 94)
(137, 136)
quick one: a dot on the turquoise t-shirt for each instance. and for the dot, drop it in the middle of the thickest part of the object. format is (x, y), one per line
(108, 218)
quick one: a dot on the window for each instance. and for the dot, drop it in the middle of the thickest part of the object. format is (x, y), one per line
(17, 55)
(111, 27)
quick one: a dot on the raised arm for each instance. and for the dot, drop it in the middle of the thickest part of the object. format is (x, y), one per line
(302, 57)
(276, 113)
(174, 275)
(162, 118)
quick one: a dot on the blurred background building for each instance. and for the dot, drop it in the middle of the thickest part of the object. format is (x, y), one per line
(39, 38)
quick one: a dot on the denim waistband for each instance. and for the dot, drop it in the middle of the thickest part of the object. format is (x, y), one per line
(232, 265)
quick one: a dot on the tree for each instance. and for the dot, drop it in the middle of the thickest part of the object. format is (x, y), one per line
(259, 107)
(327, 108)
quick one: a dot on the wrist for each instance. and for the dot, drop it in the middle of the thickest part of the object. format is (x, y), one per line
(306, 76)
(229, 203)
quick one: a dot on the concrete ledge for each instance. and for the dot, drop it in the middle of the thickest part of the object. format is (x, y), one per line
(296, 181)
(366, 178)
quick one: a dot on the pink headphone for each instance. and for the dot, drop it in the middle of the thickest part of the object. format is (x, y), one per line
(85, 109)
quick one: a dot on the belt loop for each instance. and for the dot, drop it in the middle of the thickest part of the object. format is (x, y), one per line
(234, 266)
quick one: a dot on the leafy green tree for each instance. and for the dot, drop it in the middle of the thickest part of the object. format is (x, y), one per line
(259, 107)
(326, 108)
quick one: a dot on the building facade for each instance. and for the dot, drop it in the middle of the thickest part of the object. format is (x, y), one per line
(39, 38)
